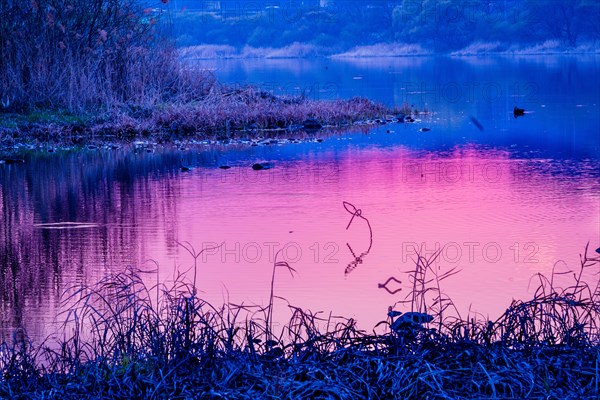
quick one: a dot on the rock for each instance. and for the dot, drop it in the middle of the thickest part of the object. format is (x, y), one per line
(9, 161)
(518, 112)
(410, 319)
(311, 125)
(261, 166)
(274, 353)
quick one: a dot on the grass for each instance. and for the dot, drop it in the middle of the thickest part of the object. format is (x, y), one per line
(224, 113)
(127, 338)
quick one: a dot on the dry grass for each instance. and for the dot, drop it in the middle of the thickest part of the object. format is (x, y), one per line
(86, 55)
(223, 113)
(124, 338)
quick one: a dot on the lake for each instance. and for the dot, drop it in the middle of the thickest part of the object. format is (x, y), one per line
(503, 198)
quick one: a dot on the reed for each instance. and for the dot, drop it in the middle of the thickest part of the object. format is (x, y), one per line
(125, 337)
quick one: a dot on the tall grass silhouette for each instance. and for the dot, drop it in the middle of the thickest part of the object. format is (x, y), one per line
(125, 337)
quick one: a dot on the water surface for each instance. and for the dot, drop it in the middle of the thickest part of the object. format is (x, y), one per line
(519, 197)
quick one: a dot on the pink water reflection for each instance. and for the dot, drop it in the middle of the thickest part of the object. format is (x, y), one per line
(499, 220)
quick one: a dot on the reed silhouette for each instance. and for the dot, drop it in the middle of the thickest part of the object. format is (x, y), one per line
(357, 259)
(125, 338)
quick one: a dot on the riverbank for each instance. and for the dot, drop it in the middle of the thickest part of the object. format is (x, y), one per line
(122, 338)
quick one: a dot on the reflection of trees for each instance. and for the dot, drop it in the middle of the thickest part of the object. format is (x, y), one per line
(114, 190)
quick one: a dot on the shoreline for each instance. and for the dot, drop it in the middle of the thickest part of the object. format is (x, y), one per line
(125, 342)
(239, 115)
(381, 50)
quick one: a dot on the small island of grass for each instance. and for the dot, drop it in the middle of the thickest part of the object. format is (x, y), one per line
(108, 71)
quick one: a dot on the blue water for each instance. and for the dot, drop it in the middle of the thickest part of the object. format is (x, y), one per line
(561, 95)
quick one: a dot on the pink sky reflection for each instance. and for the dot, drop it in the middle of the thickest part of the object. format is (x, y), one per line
(500, 221)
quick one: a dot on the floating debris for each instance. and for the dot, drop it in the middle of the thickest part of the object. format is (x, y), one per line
(384, 285)
(357, 259)
(66, 225)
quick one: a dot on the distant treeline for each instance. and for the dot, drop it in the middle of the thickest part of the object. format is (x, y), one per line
(436, 25)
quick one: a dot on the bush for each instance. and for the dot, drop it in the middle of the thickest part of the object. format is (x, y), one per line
(82, 54)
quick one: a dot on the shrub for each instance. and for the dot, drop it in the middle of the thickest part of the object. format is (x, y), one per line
(82, 54)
